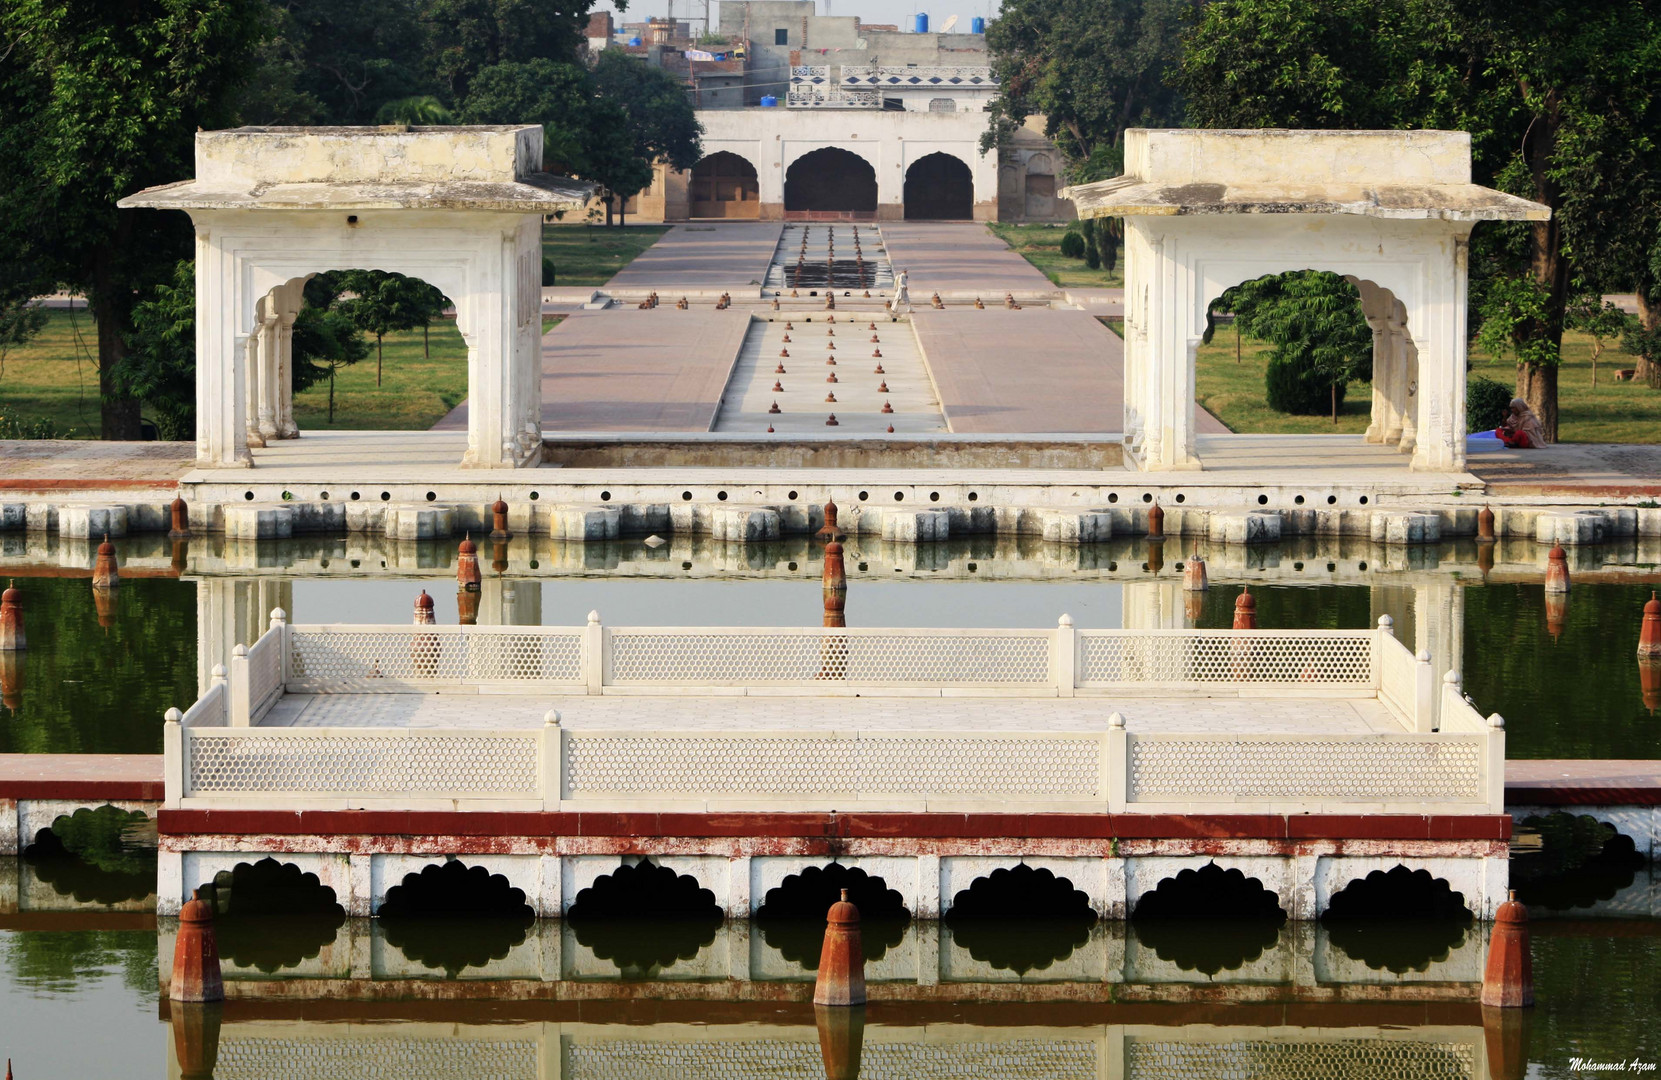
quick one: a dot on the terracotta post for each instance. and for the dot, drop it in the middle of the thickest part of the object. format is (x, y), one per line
(1557, 609)
(1505, 1032)
(499, 520)
(1485, 559)
(1245, 610)
(1508, 980)
(106, 574)
(1649, 634)
(12, 638)
(1649, 681)
(467, 565)
(181, 519)
(1193, 574)
(841, 979)
(11, 680)
(1156, 555)
(103, 601)
(835, 583)
(424, 610)
(1557, 570)
(195, 956)
(841, 1040)
(1485, 523)
(1156, 522)
(424, 648)
(467, 607)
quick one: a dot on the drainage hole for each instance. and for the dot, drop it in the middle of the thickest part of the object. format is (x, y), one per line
(934, 496)
(354, 496)
(1331, 500)
(1363, 500)
(1361, 566)
(792, 496)
(974, 496)
(324, 495)
(535, 495)
(1147, 496)
(1298, 500)
(1113, 497)
(792, 566)
(1181, 497)
(862, 497)
(605, 496)
(249, 495)
(721, 495)
(535, 565)
(686, 496)
(432, 496)
(899, 496)
(1112, 567)
(386, 496)
(864, 567)
(1263, 500)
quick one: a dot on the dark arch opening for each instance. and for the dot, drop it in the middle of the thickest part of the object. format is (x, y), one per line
(792, 917)
(452, 916)
(97, 856)
(1208, 919)
(645, 917)
(1020, 919)
(1568, 861)
(724, 185)
(831, 180)
(270, 915)
(939, 187)
(1397, 920)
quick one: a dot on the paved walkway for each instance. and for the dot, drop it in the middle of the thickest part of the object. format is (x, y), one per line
(730, 255)
(1593, 781)
(65, 464)
(962, 260)
(80, 776)
(1303, 716)
(1578, 469)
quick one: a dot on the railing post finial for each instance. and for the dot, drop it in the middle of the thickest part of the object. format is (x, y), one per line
(1451, 677)
(218, 675)
(1387, 624)
(173, 716)
(1116, 721)
(278, 617)
(1496, 721)
(1065, 621)
(551, 718)
(593, 618)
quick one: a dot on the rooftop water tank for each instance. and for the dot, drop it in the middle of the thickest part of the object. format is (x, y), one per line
(922, 23)
(977, 25)
(768, 101)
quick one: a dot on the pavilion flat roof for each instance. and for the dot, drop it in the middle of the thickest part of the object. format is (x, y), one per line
(536, 193)
(1404, 175)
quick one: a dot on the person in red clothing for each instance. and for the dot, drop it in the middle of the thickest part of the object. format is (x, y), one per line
(1521, 430)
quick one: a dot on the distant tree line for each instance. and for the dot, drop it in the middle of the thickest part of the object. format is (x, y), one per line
(100, 100)
(1563, 103)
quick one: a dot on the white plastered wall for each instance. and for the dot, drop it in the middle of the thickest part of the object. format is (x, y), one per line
(488, 264)
(1179, 264)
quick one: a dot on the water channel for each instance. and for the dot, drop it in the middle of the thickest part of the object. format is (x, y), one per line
(323, 995)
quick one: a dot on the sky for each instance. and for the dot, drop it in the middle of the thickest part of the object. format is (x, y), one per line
(874, 11)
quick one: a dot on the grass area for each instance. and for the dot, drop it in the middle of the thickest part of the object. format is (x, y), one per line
(592, 254)
(1040, 245)
(415, 392)
(55, 376)
(1628, 412)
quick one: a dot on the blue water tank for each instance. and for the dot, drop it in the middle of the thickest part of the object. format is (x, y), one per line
(922, 24)
(634, 41)
(977, 25)
(769, 102)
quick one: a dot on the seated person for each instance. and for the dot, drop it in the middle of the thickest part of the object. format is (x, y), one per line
(1521, 429)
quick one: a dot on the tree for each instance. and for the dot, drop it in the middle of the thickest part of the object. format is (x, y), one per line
(1600, 320)
(1091, 68)
(557, 96)
(463, 37)
(423, 110)
(97, 101)
(1321, 340)
(382, 303)
(658, 111)
(324, 341)
(161, 358)
(1560, 100)
(20, 317)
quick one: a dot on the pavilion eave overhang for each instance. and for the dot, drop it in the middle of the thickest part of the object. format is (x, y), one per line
(541, 193)
(1130, 196)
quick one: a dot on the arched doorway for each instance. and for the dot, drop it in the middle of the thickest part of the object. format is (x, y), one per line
(724, 185)
(831, 183)
(939, 188)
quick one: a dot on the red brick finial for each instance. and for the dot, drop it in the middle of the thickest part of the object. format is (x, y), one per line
(1245, 610)
(106, 573)
(1557, 570)
(1649, 634)
(1508, 980)
(467, 564)
(195, 955)
(12, 638)
(181, 519)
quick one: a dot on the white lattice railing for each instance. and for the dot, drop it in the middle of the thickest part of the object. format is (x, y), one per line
(941, 77)
(635, 660)
(1405, 681)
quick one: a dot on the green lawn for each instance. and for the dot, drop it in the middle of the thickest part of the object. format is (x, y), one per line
(55, 376)
(415, 391)
(1627, 412)
(1040, 245)
(592, 254)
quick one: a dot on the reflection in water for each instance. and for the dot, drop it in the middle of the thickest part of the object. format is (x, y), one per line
(196, 1027)
(1395, 945)
(1566, 861)
(841, 1039)
(98, 856)
(678, 916)
(1208, 919)
(1398, 920)
(1207, 947)
(270, 915)
(1020, 919)
(792, 916)
(452, 945)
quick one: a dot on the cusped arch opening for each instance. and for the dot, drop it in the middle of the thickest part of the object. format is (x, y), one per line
(831, 180)
(1309, 331)
(1208, 919)
(1020, 919)
(451, 916)
(97, 855)
(270, 915)
(792, 916)
(644, 917)
(724, 185)
(1563, 861)
(939, 187)
(1397, 920)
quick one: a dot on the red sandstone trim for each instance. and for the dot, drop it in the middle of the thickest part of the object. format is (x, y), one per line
(132, 777)
(1568, 793)
(44, 486)
(832, 826)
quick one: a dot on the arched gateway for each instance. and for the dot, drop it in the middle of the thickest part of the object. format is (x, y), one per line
(459, 207)
(1391, 210)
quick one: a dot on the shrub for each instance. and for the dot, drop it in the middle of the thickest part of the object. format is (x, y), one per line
(547, 271)
(14, 427)
(1297, 388)
(1486, 403)
(1072, 245)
